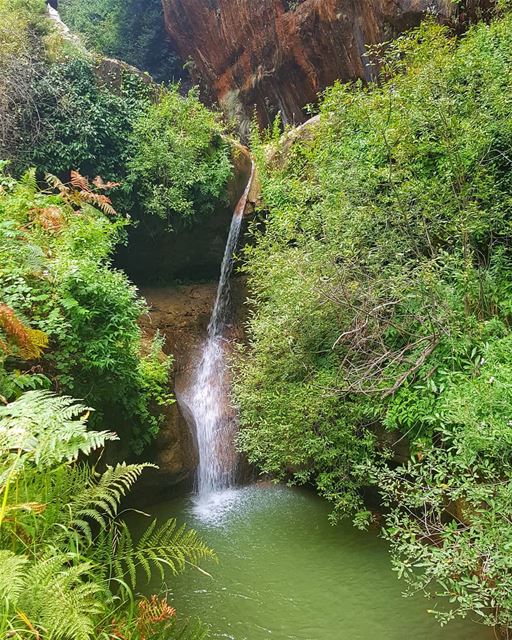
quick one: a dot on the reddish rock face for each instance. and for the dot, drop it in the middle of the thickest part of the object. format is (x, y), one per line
(278, 54)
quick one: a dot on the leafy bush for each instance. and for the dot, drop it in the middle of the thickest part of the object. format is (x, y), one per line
(180, 162)
(68, 561)
(57, 113)
(84, 124)
(56, 277)
(65, 108)
(132, 30)
(380, 289)
(73, 113)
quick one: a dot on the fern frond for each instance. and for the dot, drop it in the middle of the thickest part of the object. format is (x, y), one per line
(161, 547)
(62, 599)
(28, 182)
(101, 495)
(99, 183)
(100, 201)
(50, 218)
(79, 181)
(28, 343)
(55, 183)
(31, 256)
(48, 428)
(12, 577)
(191, 630)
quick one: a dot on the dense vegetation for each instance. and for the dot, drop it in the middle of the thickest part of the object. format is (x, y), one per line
(67, 320)
(381, 300)
(68, 564)
(180, 162)
(132, 30)
(77, 161)
(380, 334)
(64, 108)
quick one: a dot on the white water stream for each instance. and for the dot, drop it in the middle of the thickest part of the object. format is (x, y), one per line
(208, 399)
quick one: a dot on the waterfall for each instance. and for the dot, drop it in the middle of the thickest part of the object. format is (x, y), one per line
(208, 399)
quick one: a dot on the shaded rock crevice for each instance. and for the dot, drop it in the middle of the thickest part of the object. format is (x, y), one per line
(155, 254)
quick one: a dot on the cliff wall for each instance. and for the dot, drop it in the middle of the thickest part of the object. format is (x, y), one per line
(272, 55)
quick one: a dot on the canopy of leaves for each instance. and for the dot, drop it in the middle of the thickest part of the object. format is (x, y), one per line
(63, 107)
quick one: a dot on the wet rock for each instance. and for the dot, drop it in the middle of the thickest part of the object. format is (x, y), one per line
(181, 314)
(175, 454)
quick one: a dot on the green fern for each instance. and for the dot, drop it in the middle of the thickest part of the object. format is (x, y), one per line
(62, 601)
(68, 564)
(100, 496)
(48, 428)
(27, 185)
(161, 547)
(190, 630)
(195, 630)
(12, 577)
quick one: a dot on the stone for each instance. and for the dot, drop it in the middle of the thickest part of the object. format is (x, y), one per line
(277, 55)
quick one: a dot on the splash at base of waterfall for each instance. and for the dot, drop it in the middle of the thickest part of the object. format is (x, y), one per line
(213, 508)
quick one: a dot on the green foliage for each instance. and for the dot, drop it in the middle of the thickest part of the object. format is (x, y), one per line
(63, 108)
(23, 30)
(180, 162)
(449, 506)
(56, 276)
(131, 30)
(53, 110)
(381, 300)
(68, 563)
(45, 428)
(84, 123)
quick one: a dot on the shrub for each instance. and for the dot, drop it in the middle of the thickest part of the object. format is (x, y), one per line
(180, 162)
(132, 30)
(380, 289)
(56, 277)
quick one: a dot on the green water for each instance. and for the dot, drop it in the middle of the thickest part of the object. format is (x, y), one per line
(285, 573)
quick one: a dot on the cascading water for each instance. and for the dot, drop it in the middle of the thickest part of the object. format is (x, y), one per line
(208, 398)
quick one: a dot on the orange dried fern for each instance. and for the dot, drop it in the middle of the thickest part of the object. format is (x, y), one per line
(50, 218)
(80, 191)
(18, 339)
(152, 613)
(79, 181)
(99, 201)
(153, 616)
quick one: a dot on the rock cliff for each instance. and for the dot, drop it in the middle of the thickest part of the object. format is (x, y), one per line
(272, 55)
